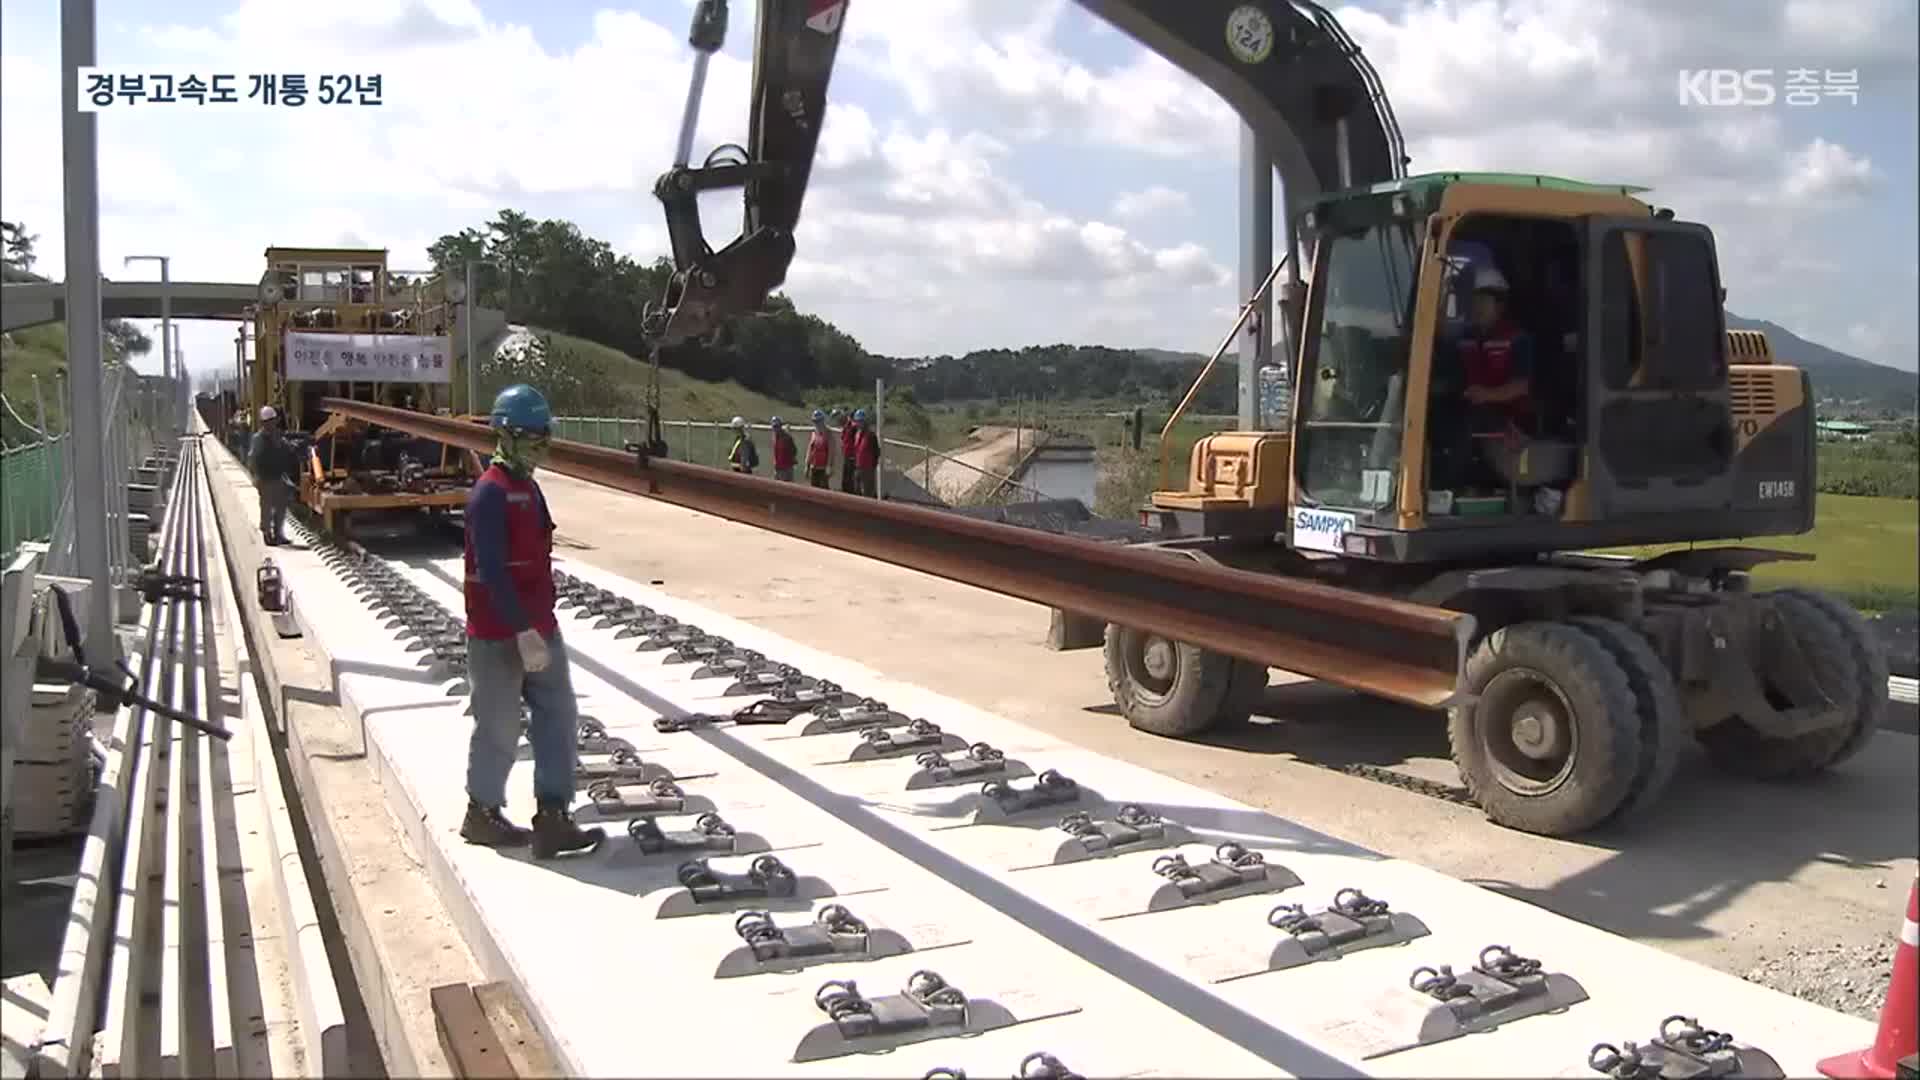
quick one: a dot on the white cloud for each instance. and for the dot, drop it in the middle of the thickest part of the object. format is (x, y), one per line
(1823, 170)
(1151, 202)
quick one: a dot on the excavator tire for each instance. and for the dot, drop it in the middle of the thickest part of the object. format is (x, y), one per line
(1664, 725)
(1869, 655)
(1551, 742)
(1246, 690)
(1741, 749)
(1166, 687)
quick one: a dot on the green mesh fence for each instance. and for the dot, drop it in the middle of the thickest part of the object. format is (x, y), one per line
(31, 479)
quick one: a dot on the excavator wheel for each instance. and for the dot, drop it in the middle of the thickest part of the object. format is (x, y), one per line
(1246, 690)
(1551, 742)
(1869, 655)
(1743, 750)
(1664, 724)
(1167, 687)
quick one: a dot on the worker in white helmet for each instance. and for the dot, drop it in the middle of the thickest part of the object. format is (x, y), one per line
(1492, 377)
(744, 457)
(275, 468)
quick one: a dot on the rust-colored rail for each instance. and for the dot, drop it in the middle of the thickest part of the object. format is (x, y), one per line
(1406, 652)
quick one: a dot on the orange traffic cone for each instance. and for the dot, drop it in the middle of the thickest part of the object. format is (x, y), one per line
(1899, 1035)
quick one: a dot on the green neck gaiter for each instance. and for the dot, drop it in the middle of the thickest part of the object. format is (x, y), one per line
(518, 454)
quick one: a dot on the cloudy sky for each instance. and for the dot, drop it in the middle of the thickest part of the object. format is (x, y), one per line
(993, 172)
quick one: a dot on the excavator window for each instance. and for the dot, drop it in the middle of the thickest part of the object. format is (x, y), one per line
(1360, 333)
(1471, 447)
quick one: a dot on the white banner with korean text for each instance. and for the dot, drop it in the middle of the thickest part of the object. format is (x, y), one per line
(368, 358)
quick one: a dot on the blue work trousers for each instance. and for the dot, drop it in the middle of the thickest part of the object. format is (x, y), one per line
(500, 684)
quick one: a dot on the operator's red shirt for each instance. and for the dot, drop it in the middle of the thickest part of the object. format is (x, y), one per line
(1498, 356)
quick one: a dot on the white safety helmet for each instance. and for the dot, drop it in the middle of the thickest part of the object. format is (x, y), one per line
(267, 413)
(1489, 279)
(739, 423)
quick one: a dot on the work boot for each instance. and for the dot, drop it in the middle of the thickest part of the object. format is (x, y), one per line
(488, 826)
(554, 832)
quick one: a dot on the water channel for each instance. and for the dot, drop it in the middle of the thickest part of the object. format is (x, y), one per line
(1067, 474)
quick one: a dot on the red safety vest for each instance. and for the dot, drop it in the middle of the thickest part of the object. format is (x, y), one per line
(784, 451)
(529, 561)
(819, 451)
(1489, 362)
(866, 450)
(847, 432)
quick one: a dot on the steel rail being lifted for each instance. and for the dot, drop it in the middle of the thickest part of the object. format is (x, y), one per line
(1393, 649)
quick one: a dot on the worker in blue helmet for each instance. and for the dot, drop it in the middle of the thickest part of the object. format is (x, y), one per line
(848, 482)
(515, 653)
(866, 456)
(819, 450)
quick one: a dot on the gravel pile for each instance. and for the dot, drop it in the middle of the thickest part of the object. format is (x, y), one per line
(1849, 979)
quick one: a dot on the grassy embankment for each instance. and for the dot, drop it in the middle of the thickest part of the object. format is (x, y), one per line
(35, 350)
(1863, 550)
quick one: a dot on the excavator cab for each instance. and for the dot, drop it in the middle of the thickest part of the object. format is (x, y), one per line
(1636, 427)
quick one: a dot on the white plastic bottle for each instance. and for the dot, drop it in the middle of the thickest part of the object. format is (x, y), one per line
(1275, 397)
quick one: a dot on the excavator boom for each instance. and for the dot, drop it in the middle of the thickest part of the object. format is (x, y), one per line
(1285, 66)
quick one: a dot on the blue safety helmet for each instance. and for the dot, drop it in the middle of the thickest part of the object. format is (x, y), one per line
(521, 408)
(859, 416)
(819, 415)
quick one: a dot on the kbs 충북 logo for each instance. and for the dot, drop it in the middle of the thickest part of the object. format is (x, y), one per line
(1757, 87)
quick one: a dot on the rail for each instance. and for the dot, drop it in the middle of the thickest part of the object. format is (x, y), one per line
(1396, 650)
(187, 854)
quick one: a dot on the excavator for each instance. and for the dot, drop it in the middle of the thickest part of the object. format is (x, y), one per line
(1649, 423)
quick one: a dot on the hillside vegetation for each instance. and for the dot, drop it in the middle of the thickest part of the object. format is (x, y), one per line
(41, 351)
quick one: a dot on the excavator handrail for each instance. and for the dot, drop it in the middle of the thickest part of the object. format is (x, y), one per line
(1193, 391)
(1390, 648)
(1369, 75)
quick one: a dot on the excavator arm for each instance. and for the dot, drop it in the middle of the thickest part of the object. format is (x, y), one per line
(1285, 66)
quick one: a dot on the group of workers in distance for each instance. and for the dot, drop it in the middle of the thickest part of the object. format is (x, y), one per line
(859, 451)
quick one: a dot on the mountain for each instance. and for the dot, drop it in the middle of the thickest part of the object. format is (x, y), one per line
(1837, 377)
(1169, 356)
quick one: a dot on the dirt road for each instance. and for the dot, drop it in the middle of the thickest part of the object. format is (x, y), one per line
(1801, 886)
(994, 449)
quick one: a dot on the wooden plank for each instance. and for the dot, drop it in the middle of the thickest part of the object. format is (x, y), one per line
(527, 1050)
(468, 1040)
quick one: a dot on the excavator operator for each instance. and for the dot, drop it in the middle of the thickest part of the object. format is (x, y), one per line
(1491, 383)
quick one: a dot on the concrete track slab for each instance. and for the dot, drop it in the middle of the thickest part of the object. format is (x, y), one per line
(1798, 885)
(588, 975)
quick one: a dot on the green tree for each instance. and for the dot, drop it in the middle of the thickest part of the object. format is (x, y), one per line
(18, 245)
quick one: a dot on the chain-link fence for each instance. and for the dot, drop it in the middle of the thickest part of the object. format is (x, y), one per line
(36, 502)
(32, 482)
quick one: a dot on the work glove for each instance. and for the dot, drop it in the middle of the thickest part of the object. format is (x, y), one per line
(533, 650)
